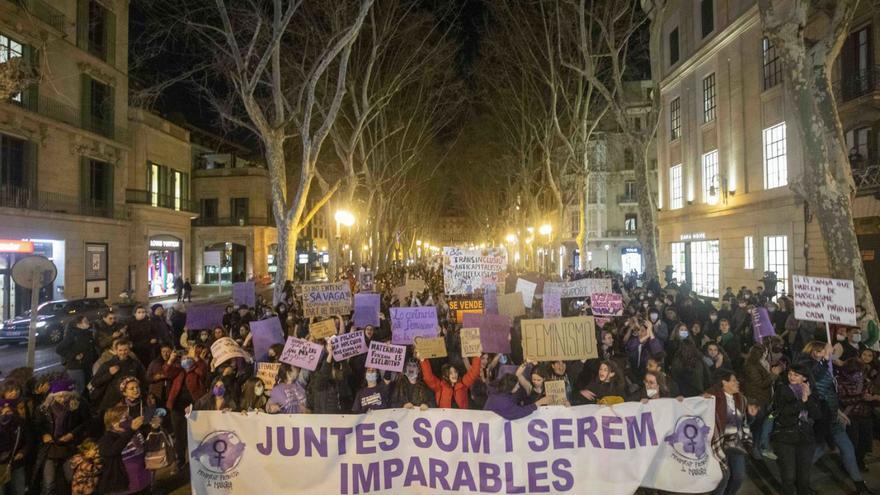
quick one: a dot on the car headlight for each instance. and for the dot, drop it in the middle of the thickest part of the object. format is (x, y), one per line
(41, 324)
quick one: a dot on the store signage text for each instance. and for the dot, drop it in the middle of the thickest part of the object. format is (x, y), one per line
(693, 236)
(14, 246)
(158, 243)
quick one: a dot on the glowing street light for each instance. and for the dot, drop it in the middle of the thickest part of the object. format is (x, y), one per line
(418, 243)
(344, 217)
(545, 229)
(511, 238)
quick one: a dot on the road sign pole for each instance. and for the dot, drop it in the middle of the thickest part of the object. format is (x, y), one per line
(32, 330)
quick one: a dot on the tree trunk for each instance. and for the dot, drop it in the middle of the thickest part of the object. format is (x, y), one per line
(582, 238)
(647, 232)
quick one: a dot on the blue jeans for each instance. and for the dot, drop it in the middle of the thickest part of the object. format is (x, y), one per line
(17, 483)
(734, 476)
(847, 452)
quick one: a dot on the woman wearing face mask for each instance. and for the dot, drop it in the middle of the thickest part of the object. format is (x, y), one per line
(216, 399)
(140, 332)
(700, 337)
(253, 397)
(710, 326)
(796, 409)
(654, 386)
(288, 396)
(230, 317)
(504, 400)
(62, 421)
(205, 337)
(130, 388)
(409, 389)
(661, 331)
(329, 391)
(373, 395)
(716, 357)
(850, 347)
(608, 386)
(188, 375)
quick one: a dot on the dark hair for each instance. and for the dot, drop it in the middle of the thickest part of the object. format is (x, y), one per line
(723, 375)
(121, 341)
(163, 345)
(506, 384)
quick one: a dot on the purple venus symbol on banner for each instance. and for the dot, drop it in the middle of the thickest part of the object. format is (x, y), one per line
(689, 437)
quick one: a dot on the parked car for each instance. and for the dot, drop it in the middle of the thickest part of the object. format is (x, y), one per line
(52, 318)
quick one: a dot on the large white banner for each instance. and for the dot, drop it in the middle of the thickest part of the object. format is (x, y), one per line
(664, 444)
(466, 270)
(584, 287)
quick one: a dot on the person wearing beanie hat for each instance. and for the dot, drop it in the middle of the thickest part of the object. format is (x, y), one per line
(796, 409)
(62, 422)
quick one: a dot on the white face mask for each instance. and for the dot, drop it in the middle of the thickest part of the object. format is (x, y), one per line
(857, 337)
(713, 317)
(654, 317)
(651, 392)
(841, 337)
(683, 334)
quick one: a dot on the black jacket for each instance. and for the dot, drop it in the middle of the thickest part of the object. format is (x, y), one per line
(104, 335)
(787, 425)
(77, 341)
(114, 477)
(106, 392)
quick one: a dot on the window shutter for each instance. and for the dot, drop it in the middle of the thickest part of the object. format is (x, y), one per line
(86, 103)
(82, 24)
(110, 37)
(30, 166)
(30, 95)
(110, 114)
(109, 182)
(85, 192)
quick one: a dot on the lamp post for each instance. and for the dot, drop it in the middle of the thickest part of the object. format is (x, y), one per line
(346, 218)
(546, 230)
(607, 248)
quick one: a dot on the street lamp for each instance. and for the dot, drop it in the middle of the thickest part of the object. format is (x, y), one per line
(342, 217)
(607, 248)
(546, 230)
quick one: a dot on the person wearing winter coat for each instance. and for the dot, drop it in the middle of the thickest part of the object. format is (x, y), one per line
(122, 453)
(77, 351)
(731, 421)
(641, 345)
(609, 384)
(288, 395)
(328, 391)
(449, 390)
(857, 400)
(160, 328)
(106, 381)
(107, 329)
(189, 376)
(218, 398)
(86, 468)
(178, 322)
(62, 421)
(158, 382)
(140, 332)
(504, 399)
(409, 389)
(373, 395)
(796, 409)
(15, 445)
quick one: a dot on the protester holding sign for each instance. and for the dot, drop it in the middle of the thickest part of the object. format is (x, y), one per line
(449, 390)
(288, 396)
(504, 400)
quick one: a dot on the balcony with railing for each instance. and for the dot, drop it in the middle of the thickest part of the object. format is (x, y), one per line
(26, 199)
(857, 83)
(621, 233)
(234, 222)
(56, 110)
(42, 11)
(627, 199)
(141, 197)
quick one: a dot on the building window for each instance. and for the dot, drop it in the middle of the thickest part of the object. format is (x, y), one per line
(630, 222)
(673, 47)
(14, 171)
(711, 182)
(97, 107)
(629, 190)
(675, 119)
(776, 259)
(857, 64)
(628, 160)
(705, 262)
(97, 188)
(575, 222)
(209, 208)
(857, 143)
(678, 262)
(707, 16)
(9, 50)
(709, 98)
(238, 210)
(749, 252)
(96, 29)
(775, 163)
(772, 65)
(676, 199)
(167, 188)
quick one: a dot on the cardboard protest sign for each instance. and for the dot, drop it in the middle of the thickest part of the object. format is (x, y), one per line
(761, 326)
(605, 304)
(266, 333)
(466, 270)
(558, 339)
(827, 300)
(407, 323)
(244, 293)
(470, 342)
(465, 306)
(366, 310)
(490, 299)
(527, 289)
(349, 345)
(415, 285)
(555, 392)
(552, 305)
(386, 357)
(584, 287)
(224, 349)
(511, 305)
(326, 299)
(323, 329)
(203, 316)
(268, 373)
(495, 333)
(401, 293)
(430, 348)
(365, 281)
(301, 353)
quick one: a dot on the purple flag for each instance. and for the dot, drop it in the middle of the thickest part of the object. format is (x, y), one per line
(266, 333)
(761, 324)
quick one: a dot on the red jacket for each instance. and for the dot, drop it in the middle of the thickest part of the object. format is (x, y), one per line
(444, 392)
(196, 380)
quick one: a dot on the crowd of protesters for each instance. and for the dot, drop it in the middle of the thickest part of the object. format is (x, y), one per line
(115, 420)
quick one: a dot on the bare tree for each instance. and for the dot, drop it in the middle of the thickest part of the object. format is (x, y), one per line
(279, 69)
(808, 36)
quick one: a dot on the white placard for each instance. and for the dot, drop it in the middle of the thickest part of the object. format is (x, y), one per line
(527, 289)
(828, 300)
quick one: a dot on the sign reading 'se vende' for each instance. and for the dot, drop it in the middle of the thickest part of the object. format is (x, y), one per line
(824, 299)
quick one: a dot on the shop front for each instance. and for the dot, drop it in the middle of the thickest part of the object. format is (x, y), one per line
(697, 261)
(14, 299)
(164, 264)
(225, 262)
(630, 260)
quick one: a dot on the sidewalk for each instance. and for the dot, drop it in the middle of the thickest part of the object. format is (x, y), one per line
(207, 293)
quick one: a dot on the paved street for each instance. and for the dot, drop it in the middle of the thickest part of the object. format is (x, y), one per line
(14, 355)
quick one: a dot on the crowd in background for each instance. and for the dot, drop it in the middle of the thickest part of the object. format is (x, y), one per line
(114, 420)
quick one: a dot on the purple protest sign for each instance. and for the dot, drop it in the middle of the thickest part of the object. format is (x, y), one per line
(203, 316)
(552, 305)
(366, 310)
(266, 333)
(408, 323)
(301, 353)
(386, 357)
(348, 345)
(761, 325)
(244, 293)
(471, 320)
(606, 304)
(495, 333)
(490, 299)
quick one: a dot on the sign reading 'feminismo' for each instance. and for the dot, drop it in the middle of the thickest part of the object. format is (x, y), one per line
(559, 339)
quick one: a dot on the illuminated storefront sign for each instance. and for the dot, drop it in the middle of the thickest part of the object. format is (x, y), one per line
(14, 246)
